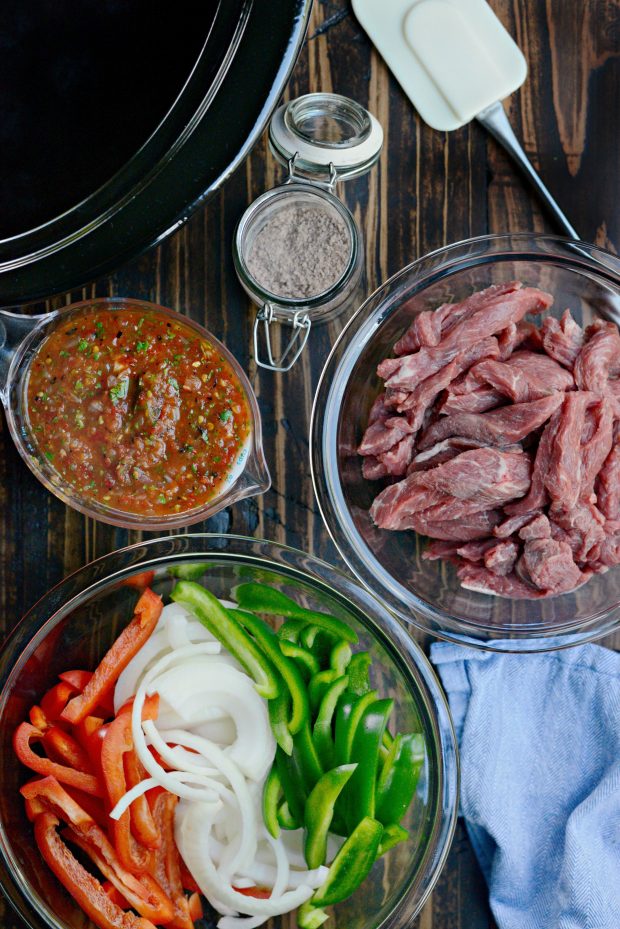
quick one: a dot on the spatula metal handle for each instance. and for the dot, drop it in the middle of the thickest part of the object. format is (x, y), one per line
(494, 119)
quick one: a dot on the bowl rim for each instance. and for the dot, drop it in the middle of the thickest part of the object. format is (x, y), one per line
(441, 262)
(406, 653)
(252, 474)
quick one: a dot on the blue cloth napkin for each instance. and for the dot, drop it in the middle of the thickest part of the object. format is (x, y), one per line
(540, 780)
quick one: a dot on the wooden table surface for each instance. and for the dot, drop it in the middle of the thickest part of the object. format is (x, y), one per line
(429, 189)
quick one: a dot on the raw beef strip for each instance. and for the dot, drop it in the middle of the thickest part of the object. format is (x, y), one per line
(476, 550)
(492, 316)
(483, 473)
(595, 451)
(476, 401)
(507, 340)
(599, 358)
(424, 330)
(476, 526)
(581, 527)
(609, 554)
(537, 528)
(445, 318)
(379, 436)
(442, 452)
(419, 401)
(373, 468)
(440, 550)
(498, 427)
(608, 483)
(473, 481)
(501, 557)
(524, 377)
(396, 460)
(513, 524)
(537, 496)
(563, 479)
(475, 577)
(550, 565)
(562, 340)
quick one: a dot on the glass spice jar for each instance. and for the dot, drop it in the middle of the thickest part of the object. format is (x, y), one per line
(297, 249)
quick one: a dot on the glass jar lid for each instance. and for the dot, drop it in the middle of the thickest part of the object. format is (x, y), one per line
(326, 134)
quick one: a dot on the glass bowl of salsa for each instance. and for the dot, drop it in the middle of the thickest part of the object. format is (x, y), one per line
(131, 413)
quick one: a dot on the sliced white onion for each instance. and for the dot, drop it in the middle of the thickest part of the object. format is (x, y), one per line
(193, 824)
(127, 799)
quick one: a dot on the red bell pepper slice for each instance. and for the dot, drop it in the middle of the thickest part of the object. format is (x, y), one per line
(141, 580)
(56, 699)
(145, 895)
(60, 746)
(116, 896)
(79, 681)
(116, 659)
(91, 805)
(142, 823)
(187, 880)
(148, 898)
(261, 893)
(195, 907)
(117, 742)
(38, 718)
(167, 861)
(24, 735)
(83, 887)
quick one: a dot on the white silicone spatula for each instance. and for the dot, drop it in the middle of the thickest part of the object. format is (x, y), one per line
(456, 62)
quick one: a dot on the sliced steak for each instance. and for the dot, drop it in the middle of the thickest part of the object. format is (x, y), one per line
(599, 358)
(524, 377)
(537, 496)
(397, 459)
(498, 427)
(537, 528)
(581, 527)
(476, 526)
(514, 524)
(550, 565)
(476, 550)
(563, 478)
(424, 330)
(442, 452)
(501, 557)
(595, 451)
(475, 401)
(492, 316)
(608, 482)
(481, 580)
(562, 340)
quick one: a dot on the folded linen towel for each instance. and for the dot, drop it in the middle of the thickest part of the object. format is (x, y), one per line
(540, 780)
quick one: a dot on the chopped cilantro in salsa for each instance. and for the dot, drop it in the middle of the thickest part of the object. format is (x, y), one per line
(114, 423)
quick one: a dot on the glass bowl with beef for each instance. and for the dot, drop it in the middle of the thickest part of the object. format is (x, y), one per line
(465, 448)
(131, 413)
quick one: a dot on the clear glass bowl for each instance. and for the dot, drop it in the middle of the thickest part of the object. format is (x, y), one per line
(20, 339)
(77, 620)
(427, 594)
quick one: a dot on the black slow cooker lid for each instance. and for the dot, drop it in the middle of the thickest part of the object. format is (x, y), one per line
(120, 119)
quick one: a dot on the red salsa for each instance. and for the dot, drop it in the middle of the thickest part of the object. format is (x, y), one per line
(137, 411)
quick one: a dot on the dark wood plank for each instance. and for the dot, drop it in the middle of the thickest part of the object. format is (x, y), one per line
(429, 189)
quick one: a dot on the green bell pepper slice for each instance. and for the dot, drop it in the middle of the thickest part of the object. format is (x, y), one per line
(352, 864)
(360, 794)
(292, 786)
(392, 835)
(399, 777)
(268, 641)
(322, 730)
(260, 598)
(279, 715)
(310, 917)
(286, 818)
(340, 657)
(319, 685)
(291, 630)
(272, 792)
(231, 634)
(306, 758)
(305, 660)
(358, 671)
(348, 714)
(319, 813)
(188, 572)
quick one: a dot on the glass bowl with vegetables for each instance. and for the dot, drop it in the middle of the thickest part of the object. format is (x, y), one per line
(131, 413)
(220, 726)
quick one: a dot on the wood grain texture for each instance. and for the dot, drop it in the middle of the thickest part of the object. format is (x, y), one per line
(429, 189)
